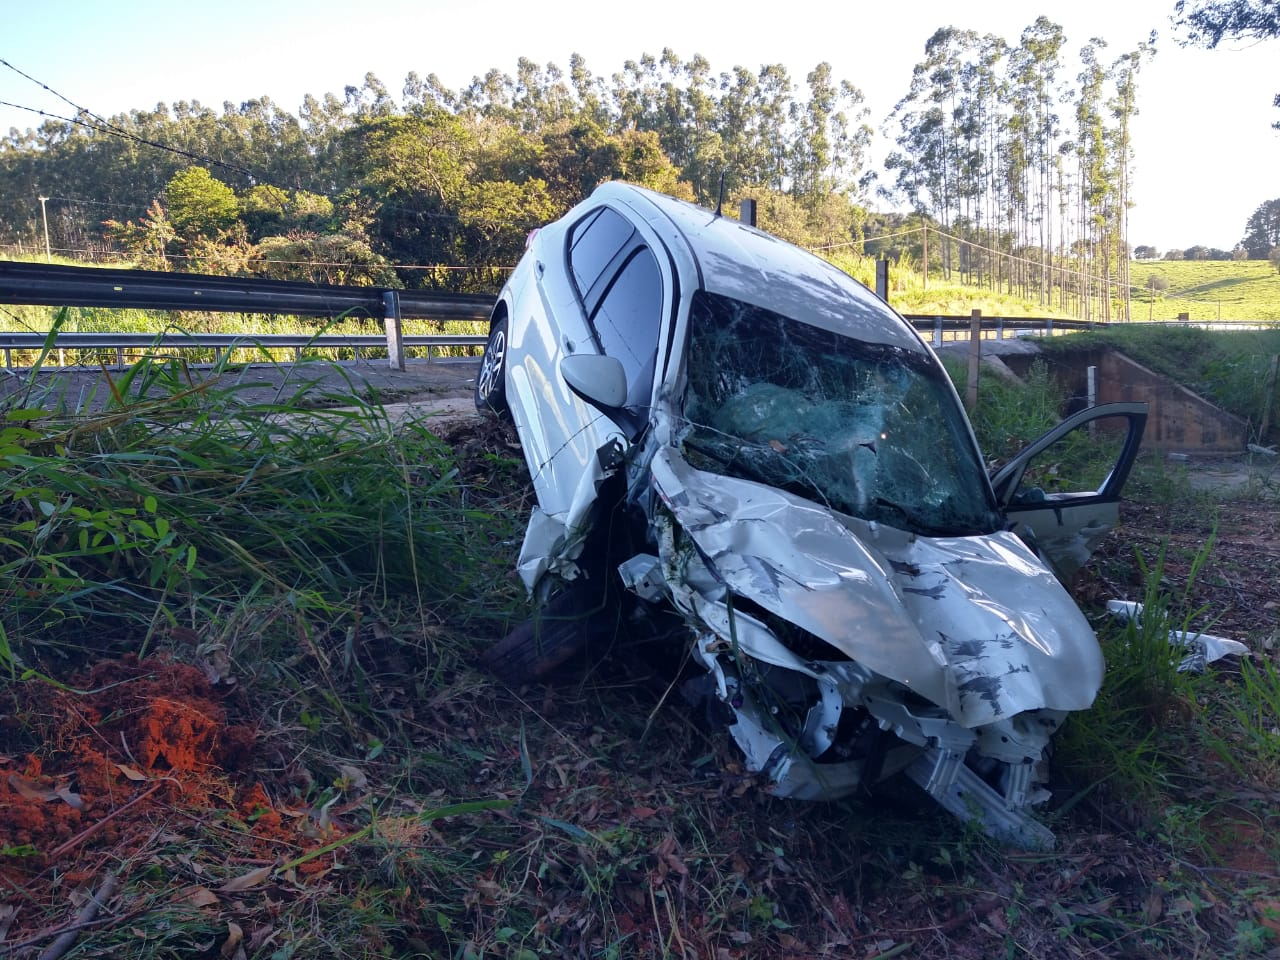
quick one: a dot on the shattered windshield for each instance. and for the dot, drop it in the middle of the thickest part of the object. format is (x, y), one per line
(870, 430)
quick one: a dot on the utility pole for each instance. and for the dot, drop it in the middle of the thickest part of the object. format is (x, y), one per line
(45, 217)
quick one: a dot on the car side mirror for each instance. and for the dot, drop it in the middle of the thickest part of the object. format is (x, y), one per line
(597, 379)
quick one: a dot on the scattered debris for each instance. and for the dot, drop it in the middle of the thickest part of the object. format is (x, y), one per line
(1201, 649)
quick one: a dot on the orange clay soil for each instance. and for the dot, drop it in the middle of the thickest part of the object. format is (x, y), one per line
(98, 776)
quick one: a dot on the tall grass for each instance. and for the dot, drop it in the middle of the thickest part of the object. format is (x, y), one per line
(180, 502)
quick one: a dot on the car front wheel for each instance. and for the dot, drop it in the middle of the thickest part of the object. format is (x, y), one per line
(491, 390)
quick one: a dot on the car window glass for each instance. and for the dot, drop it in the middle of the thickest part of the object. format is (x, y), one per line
(595, 242)
(627, 320)
(871, 430)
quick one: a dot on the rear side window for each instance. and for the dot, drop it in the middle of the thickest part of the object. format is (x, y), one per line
(594, 245)
(626, 322)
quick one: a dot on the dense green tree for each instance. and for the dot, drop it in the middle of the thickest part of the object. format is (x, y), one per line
(339, 258)
(1262, 231)
(200, 205)
(145, 241)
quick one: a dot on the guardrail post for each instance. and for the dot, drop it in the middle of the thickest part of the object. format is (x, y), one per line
(1048, 326)
(395, 331)
(937, 331)
(999, 328)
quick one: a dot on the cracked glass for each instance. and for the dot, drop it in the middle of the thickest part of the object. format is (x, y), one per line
(869, 430)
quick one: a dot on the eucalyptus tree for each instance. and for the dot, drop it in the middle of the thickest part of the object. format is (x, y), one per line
(933, 127)
(1124, 106)
(590, 90)
(1036, 135)
(830, 145)
(1093, 165)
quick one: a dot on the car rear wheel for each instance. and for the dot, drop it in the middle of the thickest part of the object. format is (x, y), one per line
(491, 388)
(567, 624)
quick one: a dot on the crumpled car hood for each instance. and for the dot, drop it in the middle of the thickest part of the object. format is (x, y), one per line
(978, 625)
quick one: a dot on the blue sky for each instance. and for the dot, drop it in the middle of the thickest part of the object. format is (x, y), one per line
(1206, 153)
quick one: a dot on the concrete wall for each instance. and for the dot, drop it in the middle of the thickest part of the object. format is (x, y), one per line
(1179, 420)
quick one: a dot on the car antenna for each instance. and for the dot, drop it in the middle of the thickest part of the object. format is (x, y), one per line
(720, 200)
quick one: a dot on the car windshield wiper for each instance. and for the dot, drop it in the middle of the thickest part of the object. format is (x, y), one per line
(929, 525)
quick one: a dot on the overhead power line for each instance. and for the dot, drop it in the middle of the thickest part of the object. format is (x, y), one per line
(106, 126)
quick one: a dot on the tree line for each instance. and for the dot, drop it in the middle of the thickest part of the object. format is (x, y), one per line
(1017, 158)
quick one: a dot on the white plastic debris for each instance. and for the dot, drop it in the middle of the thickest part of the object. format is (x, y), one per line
(1202, 648)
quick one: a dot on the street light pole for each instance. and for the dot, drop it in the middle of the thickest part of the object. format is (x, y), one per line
(45, 217)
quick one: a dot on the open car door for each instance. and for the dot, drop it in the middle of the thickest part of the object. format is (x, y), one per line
(1061, 494)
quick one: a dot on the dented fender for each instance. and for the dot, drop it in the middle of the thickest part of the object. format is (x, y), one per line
(978, 625)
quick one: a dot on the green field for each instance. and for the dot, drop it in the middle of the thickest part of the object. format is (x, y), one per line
(1207, 290)
(1204, 289)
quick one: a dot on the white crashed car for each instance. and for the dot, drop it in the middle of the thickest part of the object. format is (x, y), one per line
(727, 433)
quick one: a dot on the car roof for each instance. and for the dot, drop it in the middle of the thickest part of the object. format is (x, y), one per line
(738, 261)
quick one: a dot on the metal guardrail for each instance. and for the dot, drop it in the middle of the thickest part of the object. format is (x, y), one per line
(39, 284)
(943, 328)
(123, 346)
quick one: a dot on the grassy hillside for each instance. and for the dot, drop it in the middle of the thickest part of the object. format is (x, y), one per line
(1207, 290)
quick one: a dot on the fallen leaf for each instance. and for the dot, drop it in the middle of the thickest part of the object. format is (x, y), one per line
(130, 772)
(30, 790)
(778, 446)
(202, 897)
(353, 777)
(234, 936)
(1153, 907)
(643, 813)
(247, 881)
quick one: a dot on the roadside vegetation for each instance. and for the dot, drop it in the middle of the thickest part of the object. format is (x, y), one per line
(239, 703)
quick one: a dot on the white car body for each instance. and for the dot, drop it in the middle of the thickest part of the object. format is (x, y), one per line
(864, 599)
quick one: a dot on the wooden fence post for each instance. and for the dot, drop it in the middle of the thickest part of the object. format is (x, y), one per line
(882, 279)
(975, 357)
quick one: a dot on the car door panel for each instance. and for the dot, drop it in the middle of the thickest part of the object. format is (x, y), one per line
(1060, 495)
